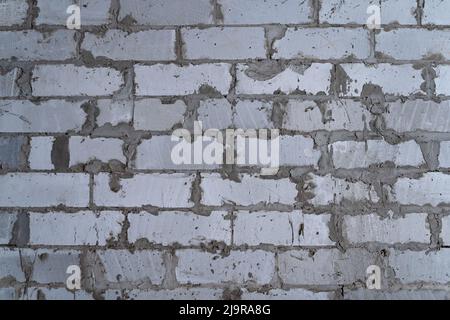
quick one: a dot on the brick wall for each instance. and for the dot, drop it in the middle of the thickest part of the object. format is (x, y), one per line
(86, 176)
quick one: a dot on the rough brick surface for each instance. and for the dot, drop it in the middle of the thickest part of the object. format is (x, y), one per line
(224, 43)
(372, 228)
(27, 116)
(346, 164)
(86, 228)
(13, 12)
(353, 154)
(383, 75)
(180, 227)
(428, 189)
(266, 12)
(197, 267)
(250, 190)
(93, 12)
(312, 79)
(83, 150)
(144, 45)
(156, 12)
(70, 80)
(168, 190)
(329, 43)
(175, 80)
(324, 267)
(44, 190)
(33, 45)
(281, 228)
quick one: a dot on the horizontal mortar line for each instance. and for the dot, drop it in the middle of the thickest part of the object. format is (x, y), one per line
(283, 131)
(94, 28)
(131, 246)
(334, 209)
(338, 171)
(427, 136)
(37, 100)
(185, 286)
(334, 61)
(117, 64)
(150, 208)
(261, 97)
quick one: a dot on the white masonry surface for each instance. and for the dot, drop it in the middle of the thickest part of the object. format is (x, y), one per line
(87, 179)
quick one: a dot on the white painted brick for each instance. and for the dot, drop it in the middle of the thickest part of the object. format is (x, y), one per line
(81, 228)
(175, 294)
(435, 12)
(44, 190)
(413, 115)
(312, 80)
(327, 190)
(40, 153)
(50, 266)
(215, 114)
(330, 115)
(398, 11)
(7, 221)
(33, 45)
(39, 293)
(413, 44)
(170, 79)
(71, 80)
(281, 228)
(10, 264)
(266, 12)
(85, 149)
(185, 228)
(324, 43)
(251, 114)
(8, 84)
(345, 12)
(224, 43)
(148, 45)
(324, 267)
(162, 12)
(431, 188)
(138, 266)
(412, 294)
(156, 153)
(13, 12)
(293, 151)
(197, 267)
(444, 154)
(246, 114)
(445, 232)
(52, 116)
(442, 80)
(413, 227)
(354, 154)
(291, 294)
(114, 112)
(152, 114)
(393, 79)
(298, 151)
(355, 11)
(161, 190)
(413, 266)
(54, 12)
(251, 190)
